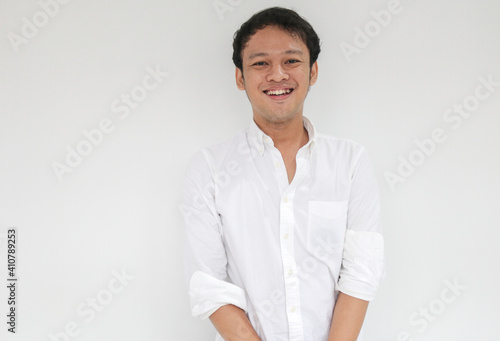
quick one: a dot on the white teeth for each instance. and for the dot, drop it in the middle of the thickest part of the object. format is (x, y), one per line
(278, 92)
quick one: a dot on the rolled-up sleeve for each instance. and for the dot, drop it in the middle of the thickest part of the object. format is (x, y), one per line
(363, 256)
(204, 253)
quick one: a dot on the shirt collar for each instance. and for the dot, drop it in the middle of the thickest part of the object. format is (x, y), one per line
(259, 139)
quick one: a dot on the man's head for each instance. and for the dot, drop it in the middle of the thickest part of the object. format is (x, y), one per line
(283, 18)
(275, 54)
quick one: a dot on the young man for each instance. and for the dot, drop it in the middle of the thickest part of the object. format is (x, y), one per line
(282, 223)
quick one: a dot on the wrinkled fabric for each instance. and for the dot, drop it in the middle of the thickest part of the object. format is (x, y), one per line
(281, 251)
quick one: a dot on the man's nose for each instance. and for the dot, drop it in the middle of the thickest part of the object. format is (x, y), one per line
(277, 73)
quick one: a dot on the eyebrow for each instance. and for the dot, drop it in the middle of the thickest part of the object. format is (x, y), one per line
(263, 54)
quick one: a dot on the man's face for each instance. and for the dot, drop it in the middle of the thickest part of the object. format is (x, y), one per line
(276, 74)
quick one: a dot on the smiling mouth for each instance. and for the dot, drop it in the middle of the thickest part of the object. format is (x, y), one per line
(280, 92)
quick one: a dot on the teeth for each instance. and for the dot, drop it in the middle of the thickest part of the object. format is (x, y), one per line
(278, 92)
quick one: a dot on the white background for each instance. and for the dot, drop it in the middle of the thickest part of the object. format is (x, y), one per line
(117, 209)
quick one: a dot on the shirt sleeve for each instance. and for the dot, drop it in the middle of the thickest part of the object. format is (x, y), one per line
(204, 253)
(363, 256)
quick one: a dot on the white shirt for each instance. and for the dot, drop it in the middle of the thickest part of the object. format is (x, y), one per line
(280, 251)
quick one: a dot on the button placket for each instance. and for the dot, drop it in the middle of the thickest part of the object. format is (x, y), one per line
(292, 293)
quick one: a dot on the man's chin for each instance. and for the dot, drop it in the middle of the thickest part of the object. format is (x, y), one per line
(277, 117)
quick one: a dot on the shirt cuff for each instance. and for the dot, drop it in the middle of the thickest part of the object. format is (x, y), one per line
(362, 264)
(208, 294)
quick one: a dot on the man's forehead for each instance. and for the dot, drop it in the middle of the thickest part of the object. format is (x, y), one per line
(272, 39)
(265, 54)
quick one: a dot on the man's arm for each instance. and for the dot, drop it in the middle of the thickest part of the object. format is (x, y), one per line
(348, 317)
(233, 325)
(204, 251)
(363, 255)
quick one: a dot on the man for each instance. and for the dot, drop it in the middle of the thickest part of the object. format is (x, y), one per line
(282, 223)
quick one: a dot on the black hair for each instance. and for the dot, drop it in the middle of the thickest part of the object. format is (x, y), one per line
(283, 18)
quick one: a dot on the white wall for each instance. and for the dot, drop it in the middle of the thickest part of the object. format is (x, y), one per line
(115, 209)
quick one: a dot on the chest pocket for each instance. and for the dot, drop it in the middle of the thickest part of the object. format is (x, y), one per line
(326, 224)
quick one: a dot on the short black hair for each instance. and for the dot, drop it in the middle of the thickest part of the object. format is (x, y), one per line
(284, 18)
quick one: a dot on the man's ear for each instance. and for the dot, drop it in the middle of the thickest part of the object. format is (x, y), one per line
(240, 82)
(314, 74)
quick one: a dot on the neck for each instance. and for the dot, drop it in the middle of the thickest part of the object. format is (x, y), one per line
(289, 134)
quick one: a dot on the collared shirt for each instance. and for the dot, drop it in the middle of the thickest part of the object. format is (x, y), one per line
(281, 251)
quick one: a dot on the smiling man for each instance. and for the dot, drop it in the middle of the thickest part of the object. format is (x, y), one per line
(282, 238)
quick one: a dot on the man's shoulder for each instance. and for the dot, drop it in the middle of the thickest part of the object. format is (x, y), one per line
(216, 153)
